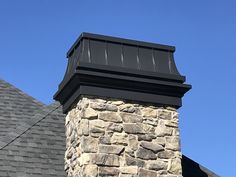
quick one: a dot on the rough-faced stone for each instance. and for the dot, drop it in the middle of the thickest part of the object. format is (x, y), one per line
(105, 140)
(157, 165)
(127, 108)
(89, 144)
(175, 167)
(152, 146)
(83, 128)
(172, 143)
(145, 154)
(149, 112)
(133, 128)
(129, 170)
(166, 154)
(103, 159)
(133, 142)
(164, 114)
(115, 127)
(119, 138)
(111, 149)
(130, 161)
(146, 173)
(108, 171)
(90, 170)
(89, 113)
(130, 118)
(110, 116)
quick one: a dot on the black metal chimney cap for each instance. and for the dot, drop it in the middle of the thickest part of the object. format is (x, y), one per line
(121, 68)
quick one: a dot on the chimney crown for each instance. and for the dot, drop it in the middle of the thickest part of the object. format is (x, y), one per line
(121, 68)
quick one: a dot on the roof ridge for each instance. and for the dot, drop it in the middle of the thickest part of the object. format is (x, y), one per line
(22, 92)
(26, 126)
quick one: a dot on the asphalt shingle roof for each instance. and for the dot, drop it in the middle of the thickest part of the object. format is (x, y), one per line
(32, 136)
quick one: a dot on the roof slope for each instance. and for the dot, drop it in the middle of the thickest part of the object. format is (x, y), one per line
(32, 136)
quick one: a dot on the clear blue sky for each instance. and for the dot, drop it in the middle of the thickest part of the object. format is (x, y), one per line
(36, 34)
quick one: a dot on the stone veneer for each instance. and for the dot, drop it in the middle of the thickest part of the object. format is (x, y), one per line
(113, 138)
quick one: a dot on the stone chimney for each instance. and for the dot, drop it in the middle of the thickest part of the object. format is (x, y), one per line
(121, 99)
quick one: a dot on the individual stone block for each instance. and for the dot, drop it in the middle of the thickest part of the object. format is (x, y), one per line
(175, 167)
(149, 129)
(146, 137)
(111, 149)
(146, 173)
(157, 165)
(83, 127)
(103, 159)
(151, 146)
(108, 171)
(129, 170)
(89, 144)
(115, 127)
(127, 108)
(164, 114)
(90, 171)
(133, 142)
(104, 140)
(110, 116)
(150, 121)
(130, 118)
(149, 112)
(84, 159)
(162, 130)
(119, 138)
(89, 113)
(145, 154)
(172, 143)
(133, 128)
(130, 161)
(166, 154)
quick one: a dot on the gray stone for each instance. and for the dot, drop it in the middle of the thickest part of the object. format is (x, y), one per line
(166, 154)
(175, 167)
(151, 146)
(83, 128)
(133, 128)
(115, 127)
(157, 165)
(146, 173)
(111, 149)
(130, 118)
(104, 140)
(164, 114)
(108, 171)
(145, 154)
(133, 142)
(110, 116)
(130, 161)
(145, 137)
(172, 143)
(127, 108)
(103, 159)
(89, 144)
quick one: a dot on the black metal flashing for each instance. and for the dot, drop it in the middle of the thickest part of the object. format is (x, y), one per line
(121, 68)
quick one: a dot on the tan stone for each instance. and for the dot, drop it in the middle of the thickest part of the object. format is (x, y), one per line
(129, 170)
(119, 138)
(84, 158)
(130, 118)
(164, 114)
(83, 128)
(90, 171)
(149, 112)
(146, 173)
(172, 143)
(89, 113)
(89, 144)
(133, 142)
(127, 108)
(110, 116)
(175, 166)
